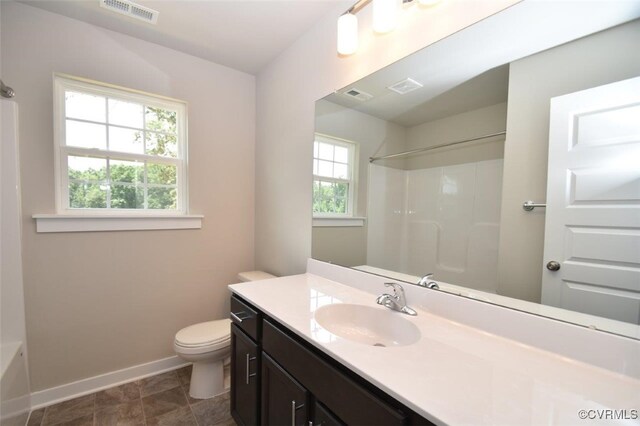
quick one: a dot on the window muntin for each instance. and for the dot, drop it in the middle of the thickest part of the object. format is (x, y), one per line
(118, 151)
(333, 177)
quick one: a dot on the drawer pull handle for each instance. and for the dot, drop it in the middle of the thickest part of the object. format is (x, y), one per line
(237, 317)
(293, 412)
(249, 358)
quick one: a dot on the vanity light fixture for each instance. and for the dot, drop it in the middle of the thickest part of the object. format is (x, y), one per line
(384, 15)
(384, 20)
(347, 34)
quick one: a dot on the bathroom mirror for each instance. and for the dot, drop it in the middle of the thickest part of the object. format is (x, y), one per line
(426, 165)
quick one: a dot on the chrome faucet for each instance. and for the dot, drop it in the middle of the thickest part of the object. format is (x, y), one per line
(426, 281)
(396, 301)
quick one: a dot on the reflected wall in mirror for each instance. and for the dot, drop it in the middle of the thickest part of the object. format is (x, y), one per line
(452, 140)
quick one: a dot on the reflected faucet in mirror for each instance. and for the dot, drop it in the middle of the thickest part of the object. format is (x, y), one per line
(425, 281)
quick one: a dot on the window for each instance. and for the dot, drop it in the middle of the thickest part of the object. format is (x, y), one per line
(333, 177)
(118, 150)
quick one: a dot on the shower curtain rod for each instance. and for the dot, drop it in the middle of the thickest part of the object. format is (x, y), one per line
(415, 151)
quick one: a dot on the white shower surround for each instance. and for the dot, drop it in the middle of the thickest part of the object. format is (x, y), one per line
(442, 220)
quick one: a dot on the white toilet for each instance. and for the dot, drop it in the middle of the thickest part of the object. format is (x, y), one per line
(207, 346)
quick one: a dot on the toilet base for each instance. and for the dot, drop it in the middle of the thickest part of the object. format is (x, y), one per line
(207, 379)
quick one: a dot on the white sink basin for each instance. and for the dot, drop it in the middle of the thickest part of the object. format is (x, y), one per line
(367, 325)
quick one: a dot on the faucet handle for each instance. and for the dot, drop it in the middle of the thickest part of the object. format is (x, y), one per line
(398, 291)
(394, 286)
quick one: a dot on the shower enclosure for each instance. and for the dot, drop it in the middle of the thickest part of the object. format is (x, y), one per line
(443, 220)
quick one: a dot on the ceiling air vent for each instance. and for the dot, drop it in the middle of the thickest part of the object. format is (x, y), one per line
(357, 94)
(131, 9)
(405, 86)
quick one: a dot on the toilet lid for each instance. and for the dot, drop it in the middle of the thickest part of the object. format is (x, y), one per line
(204, 333)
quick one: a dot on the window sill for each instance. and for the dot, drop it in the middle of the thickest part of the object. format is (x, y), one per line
(319, 222)
(95, 223)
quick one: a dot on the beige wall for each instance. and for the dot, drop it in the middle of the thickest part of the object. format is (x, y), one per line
(98, 302)
(286, 93)
(593, 61)
(345, 246)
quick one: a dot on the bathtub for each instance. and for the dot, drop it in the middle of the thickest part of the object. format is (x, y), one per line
(15, 401)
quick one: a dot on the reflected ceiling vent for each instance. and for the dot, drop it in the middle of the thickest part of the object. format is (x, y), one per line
(131, 9)
(357, 94)
(405, 86)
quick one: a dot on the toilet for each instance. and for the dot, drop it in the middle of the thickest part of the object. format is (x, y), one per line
(207, 346)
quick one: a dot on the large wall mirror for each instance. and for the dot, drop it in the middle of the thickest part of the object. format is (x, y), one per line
(428, 165)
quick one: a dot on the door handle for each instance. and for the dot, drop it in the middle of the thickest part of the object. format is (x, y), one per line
(293, 411)
(553, 265)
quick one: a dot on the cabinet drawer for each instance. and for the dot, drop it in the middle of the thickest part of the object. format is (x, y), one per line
(351, 402)
(245, 317)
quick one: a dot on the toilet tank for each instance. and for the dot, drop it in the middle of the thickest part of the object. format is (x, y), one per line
(254, 276)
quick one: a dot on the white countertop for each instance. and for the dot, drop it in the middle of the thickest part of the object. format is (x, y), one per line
(454, 374)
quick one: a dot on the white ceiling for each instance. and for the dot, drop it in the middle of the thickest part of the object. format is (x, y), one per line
(245, 35)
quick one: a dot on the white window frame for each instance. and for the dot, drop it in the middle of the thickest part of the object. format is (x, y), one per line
(61, 150)
(68, 219)
(353, 148)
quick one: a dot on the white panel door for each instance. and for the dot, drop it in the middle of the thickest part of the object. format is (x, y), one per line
(593, 202)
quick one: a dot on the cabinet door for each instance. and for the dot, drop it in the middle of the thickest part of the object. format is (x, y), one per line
(284, 400)
(245, 380)
(323, 417)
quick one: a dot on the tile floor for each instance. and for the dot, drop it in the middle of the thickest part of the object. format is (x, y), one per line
(158, 400)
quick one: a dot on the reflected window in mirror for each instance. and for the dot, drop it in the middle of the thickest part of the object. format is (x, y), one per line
(334, 186)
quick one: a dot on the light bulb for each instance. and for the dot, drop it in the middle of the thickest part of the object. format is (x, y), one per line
(384, 15)
(347, 34)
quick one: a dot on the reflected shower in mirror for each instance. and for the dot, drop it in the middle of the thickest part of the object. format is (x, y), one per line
(447, 148)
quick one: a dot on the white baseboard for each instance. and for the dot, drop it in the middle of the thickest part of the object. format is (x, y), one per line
(90, 385)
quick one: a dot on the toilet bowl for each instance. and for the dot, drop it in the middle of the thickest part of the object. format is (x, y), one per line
(208, 345)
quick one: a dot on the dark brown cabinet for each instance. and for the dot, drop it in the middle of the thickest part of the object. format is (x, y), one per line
(284, 400)
(245, 380)
(323, 417)
(277, 378)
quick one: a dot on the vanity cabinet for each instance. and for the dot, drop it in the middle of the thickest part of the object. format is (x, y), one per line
(298, 384)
